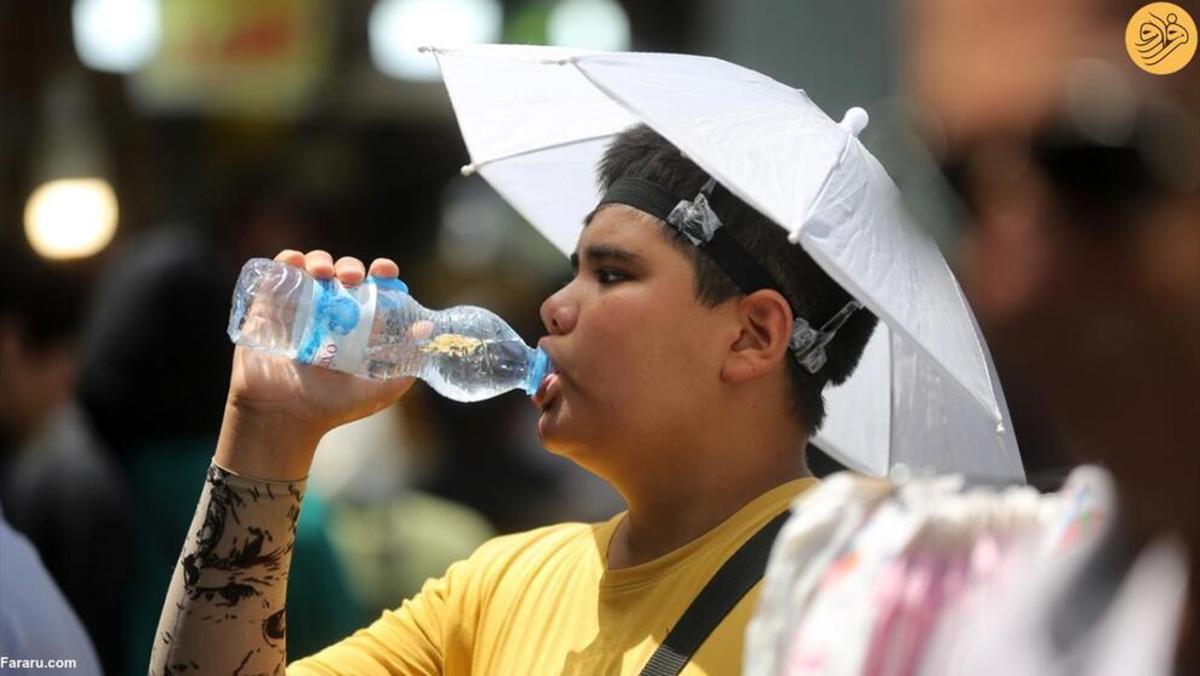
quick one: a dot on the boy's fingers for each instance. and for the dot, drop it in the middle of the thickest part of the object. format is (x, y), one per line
(319, 264)
(290, 257)
(384, 267)
(349, 270)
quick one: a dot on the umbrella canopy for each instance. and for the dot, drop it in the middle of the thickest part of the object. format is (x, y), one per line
(536, 121)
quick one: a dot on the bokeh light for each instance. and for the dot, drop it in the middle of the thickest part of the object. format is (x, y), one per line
(399, 28)
(118, 36)
(71, 218)
(589, 24)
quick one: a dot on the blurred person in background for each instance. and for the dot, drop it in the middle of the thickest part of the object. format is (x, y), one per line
(389, 536)
(1080, 174)
(672, 382)
(59, 486)
(40, 310)
(1079, 178)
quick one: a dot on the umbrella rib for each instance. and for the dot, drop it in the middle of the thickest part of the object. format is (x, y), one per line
(980, 341)
(475, 166)
(855, 290)
(795, 234)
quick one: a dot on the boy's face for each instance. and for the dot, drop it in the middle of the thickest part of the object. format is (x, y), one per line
(638, 356)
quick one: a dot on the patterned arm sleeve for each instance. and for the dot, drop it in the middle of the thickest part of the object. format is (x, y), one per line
(224, 610)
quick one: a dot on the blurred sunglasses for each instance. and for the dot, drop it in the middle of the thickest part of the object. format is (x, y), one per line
(1076, 168)
(1104, 177)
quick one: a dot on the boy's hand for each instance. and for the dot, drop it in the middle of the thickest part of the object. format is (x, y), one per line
(278, 409)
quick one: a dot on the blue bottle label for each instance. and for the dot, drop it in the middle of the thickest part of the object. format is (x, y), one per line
(340, 329)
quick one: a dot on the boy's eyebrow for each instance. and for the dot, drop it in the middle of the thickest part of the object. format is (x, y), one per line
(595, 253)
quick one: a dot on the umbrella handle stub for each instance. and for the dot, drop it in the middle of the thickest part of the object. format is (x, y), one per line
(467, 169)
(855, 120)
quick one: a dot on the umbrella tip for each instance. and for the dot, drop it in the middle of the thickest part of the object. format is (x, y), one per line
(855, 120)
(467, 169)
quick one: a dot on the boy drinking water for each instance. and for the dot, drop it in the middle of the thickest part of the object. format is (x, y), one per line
(691, 350)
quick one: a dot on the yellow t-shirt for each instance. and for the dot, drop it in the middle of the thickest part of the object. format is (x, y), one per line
(544, 602)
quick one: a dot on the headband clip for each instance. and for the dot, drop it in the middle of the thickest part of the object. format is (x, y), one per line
(808, 344)
(696, 219)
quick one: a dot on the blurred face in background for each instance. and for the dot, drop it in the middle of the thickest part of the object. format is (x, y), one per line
(637, 355)
(1082, 262)
(34, 380)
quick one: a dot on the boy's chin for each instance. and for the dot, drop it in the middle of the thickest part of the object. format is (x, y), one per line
(556, 425)
(549, 430)
(557, 437)
(552, 435)
(579, 453)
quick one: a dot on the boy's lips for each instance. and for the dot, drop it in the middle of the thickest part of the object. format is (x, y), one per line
(547, 391)
(549, 387)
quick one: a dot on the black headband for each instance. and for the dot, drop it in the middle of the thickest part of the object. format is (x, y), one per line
(719, 245)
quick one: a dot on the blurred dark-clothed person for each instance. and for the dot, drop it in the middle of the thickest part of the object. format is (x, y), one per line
(40, 314)
(61, 487)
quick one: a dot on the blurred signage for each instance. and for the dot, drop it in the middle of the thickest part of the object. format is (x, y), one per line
(237, 56)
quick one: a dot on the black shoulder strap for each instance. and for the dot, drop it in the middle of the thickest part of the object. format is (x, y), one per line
(739, 574)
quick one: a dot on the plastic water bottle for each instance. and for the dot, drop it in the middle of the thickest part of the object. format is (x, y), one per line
(377, 330)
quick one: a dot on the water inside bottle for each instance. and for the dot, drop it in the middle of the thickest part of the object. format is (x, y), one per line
(489, 368)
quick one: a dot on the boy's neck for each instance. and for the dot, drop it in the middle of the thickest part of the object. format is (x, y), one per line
(692, 504)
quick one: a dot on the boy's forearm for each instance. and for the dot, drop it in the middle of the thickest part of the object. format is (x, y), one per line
(224, 610)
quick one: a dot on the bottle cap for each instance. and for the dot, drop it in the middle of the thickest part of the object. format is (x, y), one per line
(539, 366)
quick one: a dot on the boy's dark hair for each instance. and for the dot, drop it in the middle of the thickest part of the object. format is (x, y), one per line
(640, 152)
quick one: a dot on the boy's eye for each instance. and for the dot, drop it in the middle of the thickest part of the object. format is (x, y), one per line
(609, 276)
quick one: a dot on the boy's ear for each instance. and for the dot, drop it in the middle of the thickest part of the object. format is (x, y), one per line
(766, 327)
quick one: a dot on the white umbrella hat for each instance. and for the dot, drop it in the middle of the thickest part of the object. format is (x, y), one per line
(536, 121)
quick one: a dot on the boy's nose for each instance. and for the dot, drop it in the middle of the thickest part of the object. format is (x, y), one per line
(558, 313)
